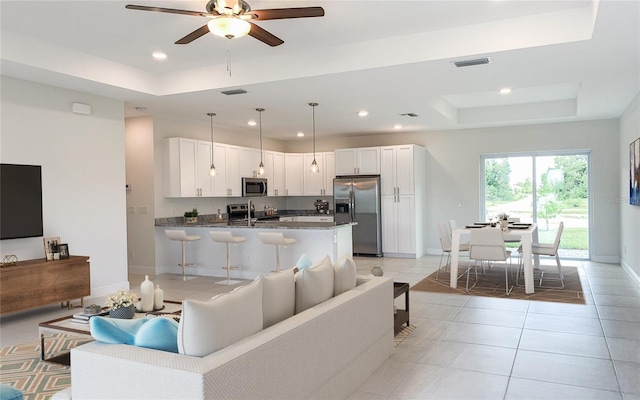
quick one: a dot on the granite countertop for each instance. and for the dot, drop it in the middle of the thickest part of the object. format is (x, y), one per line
(261, 221)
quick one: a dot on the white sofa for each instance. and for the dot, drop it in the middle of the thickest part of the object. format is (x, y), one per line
(324, 352)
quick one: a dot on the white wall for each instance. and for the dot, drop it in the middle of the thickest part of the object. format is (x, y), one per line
(629, 215)
(83, 174)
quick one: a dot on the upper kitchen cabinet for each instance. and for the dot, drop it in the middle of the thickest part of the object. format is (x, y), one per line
(249, 162)
(186, 168)
(358, 161)
(319, 183)
(227, 183)
(397, 169)
(294, 174)
(274, 173)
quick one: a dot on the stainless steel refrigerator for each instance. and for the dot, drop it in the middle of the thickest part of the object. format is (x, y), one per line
(357, 199)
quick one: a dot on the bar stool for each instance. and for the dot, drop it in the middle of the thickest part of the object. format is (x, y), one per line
(228, 238)
(181, 235)
(277, 239)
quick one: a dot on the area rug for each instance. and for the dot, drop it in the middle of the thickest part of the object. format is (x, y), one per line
(492, 285)
(402, 334)
(21, 367)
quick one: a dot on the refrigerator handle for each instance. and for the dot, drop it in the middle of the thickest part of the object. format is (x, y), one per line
(352, 213)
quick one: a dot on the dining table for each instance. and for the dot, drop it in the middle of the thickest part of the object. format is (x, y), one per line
(526, 234)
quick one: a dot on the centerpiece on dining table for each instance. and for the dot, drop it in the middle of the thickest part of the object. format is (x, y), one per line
(504, 220)
(122, 304)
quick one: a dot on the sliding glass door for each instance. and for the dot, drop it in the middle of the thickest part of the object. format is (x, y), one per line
(544, 188)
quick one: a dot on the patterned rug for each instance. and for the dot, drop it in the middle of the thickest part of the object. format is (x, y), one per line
(20, 366)
(492, 285)
(402, 334)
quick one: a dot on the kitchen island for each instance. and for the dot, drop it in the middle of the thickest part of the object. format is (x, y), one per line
(315, 239)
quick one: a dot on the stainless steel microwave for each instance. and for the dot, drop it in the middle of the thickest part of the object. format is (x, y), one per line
(254, 187)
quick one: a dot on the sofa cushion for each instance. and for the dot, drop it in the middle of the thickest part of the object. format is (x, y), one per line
(208, 326)
(152, 333)
(303, 262)
(314, 285)
(278, 297)
(344, 275)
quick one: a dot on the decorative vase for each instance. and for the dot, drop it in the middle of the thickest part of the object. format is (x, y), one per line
(158, 298)
(504, 223)
(146, 294)
(377, 271)
(123, 312)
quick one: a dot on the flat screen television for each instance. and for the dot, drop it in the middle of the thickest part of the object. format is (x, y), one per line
(20, 201)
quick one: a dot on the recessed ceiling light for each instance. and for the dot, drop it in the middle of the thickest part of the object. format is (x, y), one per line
(252, 123)
(397, 126)
(363, 113)
(158, 55)
(505, 90)
(300, 134)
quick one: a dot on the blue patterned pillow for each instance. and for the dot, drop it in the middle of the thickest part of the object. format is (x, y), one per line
(152, 333)
(303, 262)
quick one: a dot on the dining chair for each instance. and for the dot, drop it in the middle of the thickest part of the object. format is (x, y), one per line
(487, 244)
(513, 220)
(447, 246)
(545, 249)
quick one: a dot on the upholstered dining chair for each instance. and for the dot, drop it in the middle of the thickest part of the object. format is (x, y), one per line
(445, 243)
(544, 249)
(487, 244)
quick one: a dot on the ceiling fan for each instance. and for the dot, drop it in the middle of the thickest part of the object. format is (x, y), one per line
(232, 18)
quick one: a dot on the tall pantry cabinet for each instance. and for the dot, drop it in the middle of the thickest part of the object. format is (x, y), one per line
(403, 200)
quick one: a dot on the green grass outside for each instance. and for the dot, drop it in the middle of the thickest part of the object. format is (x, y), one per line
(572, 238)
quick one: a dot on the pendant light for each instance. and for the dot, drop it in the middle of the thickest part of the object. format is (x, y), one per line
(261, 166)
(212, 170)
(314, 165)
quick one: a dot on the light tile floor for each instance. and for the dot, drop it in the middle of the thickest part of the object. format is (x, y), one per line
(467, 347)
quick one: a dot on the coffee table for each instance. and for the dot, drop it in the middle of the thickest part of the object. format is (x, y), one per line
(65, 325)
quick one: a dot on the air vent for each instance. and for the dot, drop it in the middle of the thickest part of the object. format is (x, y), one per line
(234, 91)
(412, 115)
(469, 63)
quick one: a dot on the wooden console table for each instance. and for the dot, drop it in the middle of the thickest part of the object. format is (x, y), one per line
(36, 283)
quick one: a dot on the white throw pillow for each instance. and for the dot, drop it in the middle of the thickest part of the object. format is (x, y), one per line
(314, 285)
(278, 297)
(208, 326)
(344, 275)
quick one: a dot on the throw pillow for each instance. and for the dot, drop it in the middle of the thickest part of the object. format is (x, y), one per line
(278, 297)
(8, 392)
(314, 285)
(152, 333)
(303, 262)
(344, 275)
(208, 326)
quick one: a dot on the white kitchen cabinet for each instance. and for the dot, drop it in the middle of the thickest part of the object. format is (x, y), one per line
(227, 183)
(294, 174)
(404, 199)
(274, 173)
(398, 224)
(397, 169)
(320, 183)
(249, 162)
(186, 168)
(357, 161)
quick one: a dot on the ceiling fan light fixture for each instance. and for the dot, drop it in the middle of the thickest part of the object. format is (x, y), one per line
(229, 27)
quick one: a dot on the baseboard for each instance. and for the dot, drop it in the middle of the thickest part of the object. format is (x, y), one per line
(633, 274)
(135, 269)
(399, 255)
(606, 259)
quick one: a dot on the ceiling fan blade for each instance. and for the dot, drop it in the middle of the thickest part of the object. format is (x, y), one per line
(264, 36)
(284, 13)
(203, 30)
(168, 10)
